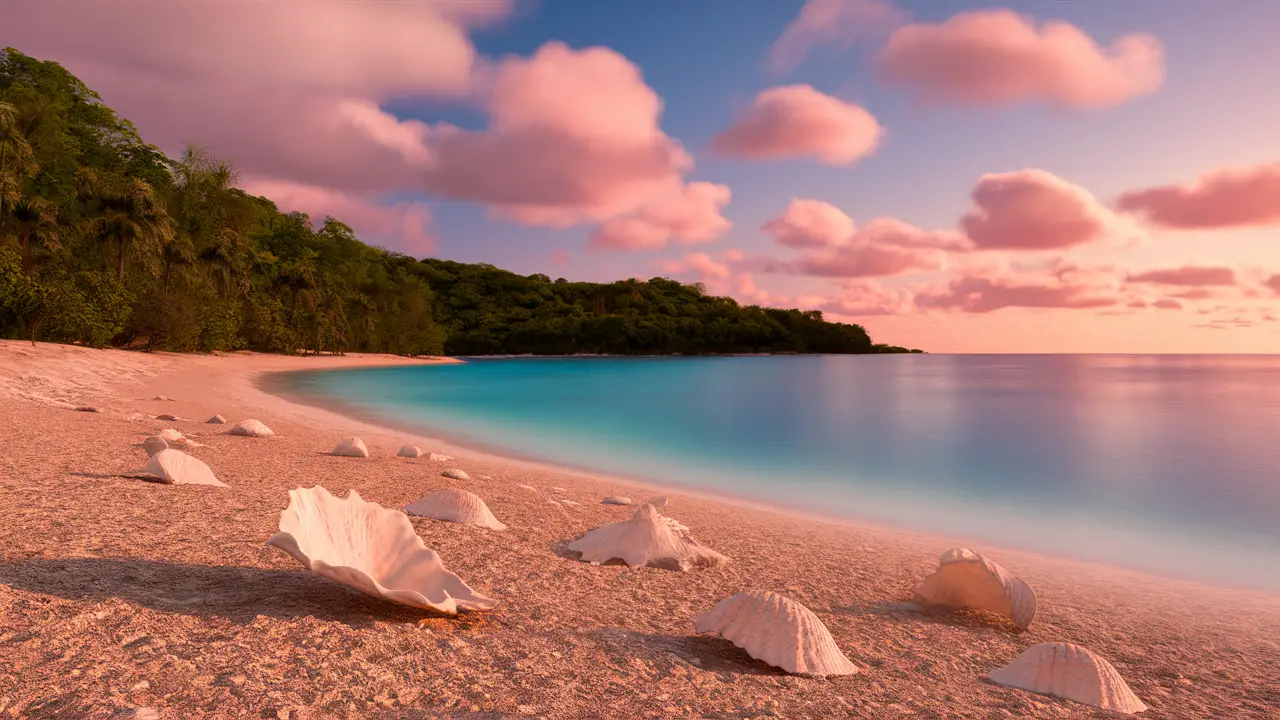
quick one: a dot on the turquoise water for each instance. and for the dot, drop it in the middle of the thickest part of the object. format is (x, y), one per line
(1169, 464)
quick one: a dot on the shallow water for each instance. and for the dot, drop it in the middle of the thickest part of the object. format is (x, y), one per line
(1169, 464)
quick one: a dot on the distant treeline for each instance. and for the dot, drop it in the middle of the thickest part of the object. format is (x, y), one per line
(106, 241)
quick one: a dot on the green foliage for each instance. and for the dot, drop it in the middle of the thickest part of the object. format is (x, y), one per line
(105, 240)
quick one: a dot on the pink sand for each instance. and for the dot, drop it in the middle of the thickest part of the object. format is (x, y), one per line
(116, 593)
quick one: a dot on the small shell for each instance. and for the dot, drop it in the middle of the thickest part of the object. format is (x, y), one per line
(409, 451)
(457, 506)
(351, 447)
(168, 417)
(370, 548)
(216, 420)
(162, 398)
(646, 539)
(1071, 672)
(178, 468)
(87, 408)
(778, 631)
(177, 439)
(616, 500)
(154, 445)
(966, 579)
(251, 428)
(455, 473)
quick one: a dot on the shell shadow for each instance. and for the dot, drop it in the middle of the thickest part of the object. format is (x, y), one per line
(958, 617)
(708, 652)
(235, 593)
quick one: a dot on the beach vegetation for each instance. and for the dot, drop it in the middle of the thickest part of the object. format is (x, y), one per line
(104, 240)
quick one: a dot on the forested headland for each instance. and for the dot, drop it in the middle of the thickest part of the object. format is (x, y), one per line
(106, 241)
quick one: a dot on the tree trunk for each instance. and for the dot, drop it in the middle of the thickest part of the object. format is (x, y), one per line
(25, 239)
(124, 245)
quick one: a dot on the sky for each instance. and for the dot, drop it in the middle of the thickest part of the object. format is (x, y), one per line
(1033, 176)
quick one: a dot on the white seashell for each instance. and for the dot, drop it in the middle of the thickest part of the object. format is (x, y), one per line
(177, 439)
(457, 506)
(455, 473)
(168, 417)
(351, 447)
(370, 548)
(216, 420)
(966, 579)
(154, 445)
(646, 539)
(778, 631)
(162, 398)
(251, 428)
(438, 457)
(175, 467)
(527, 487)
(1071, 672)
(659, 502)
(410, 451)
(616, 500)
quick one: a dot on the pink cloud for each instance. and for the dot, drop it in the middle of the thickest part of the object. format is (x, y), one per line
(559, 257)
(836, 247)
(403, 227)
(997, 57)
(1187, 275)
(690, 215)
(1198, 293)
(1035, 210)
(1233, 197)
(830, 22)
(861, 260)
(1138, 304)
(798, 121)
(1273, 282)
(264, 83)
(810, 224)
(573, 137)
(733, 255)
(978, 294)
(863, 299)
(1166, 304)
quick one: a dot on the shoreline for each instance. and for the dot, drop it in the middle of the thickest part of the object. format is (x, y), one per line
(278, 384)
(117, 593)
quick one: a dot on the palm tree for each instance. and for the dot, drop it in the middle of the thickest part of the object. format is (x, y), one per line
(17, 159)
(34, 219)
(129, 215)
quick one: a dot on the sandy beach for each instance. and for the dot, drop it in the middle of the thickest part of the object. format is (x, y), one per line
(118, 595)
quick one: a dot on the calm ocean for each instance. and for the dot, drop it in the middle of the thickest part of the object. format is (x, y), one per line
(1169, 464)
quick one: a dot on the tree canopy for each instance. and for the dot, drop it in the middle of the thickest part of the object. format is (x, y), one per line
(106, 241)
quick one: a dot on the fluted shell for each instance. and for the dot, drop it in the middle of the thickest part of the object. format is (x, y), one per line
(154, 444)
(646, 539)
(168, 417)
(351, 447)
(1070, 672)
(409, 451)
(455, 473)
(778, 631)
(616, 500)
(177, 439)
(251, 428)
(439, 457)
(457, 506)
(370, 548)
(216, 420)
(175, 467)
(966, 579)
